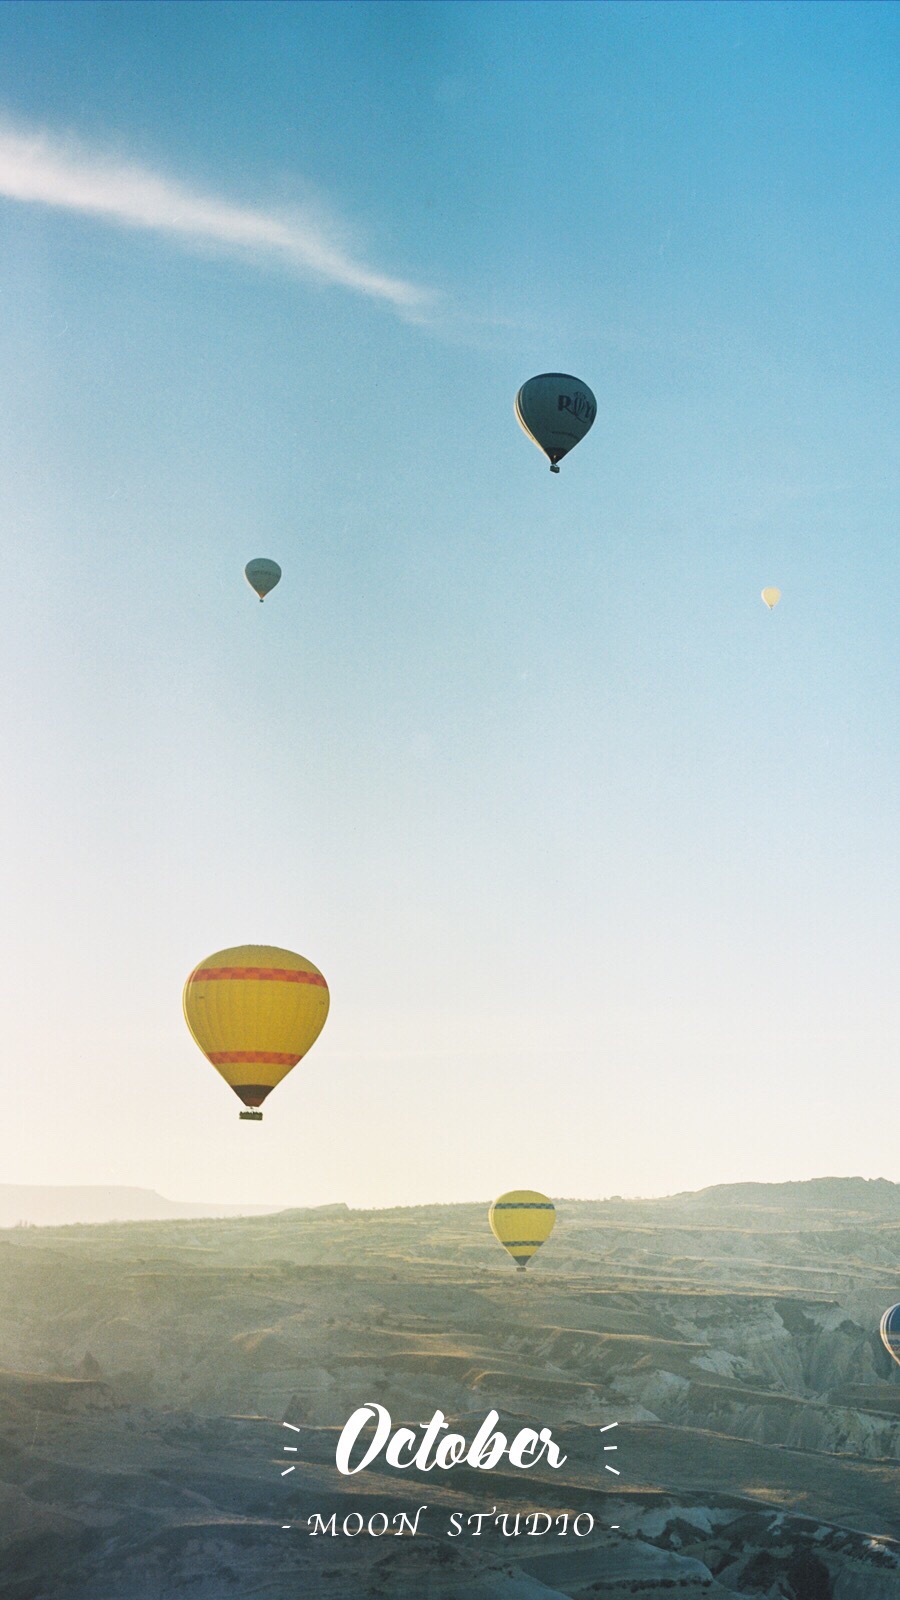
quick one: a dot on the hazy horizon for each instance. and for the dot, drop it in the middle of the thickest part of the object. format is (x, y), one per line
(73, 1209)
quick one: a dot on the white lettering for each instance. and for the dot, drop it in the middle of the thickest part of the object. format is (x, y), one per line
(488, 1446)
(536, 1531)
(480, 1517)
(525, 1442)
(402, 1439)
(351, 1431)
(450, 1450)
(412, 1525)
(504, 1529)
(317, 1524)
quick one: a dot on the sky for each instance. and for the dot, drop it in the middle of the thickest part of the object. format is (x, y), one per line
(598, 856)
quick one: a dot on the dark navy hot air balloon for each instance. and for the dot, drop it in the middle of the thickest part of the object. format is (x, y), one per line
(556, 411)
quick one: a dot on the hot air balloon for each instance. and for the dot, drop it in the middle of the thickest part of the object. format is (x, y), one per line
(254, 1011)
(890, 1332)
(556, 411)
(521, 1221)
(262, 575)
(771, 597)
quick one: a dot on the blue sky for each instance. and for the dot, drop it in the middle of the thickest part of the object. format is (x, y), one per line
(598, 857)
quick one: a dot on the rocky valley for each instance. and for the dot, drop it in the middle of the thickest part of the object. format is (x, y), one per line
(172, 1394)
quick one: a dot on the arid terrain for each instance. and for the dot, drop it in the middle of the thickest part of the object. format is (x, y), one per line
(731, 1335)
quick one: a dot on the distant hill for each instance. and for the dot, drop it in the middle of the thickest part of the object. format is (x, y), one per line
(873, 1195)
(44, 1206)
(50, 1206)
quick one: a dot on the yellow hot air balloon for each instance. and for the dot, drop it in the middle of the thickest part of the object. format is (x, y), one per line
(771, 597)
(522, 1221)
(254, 1011)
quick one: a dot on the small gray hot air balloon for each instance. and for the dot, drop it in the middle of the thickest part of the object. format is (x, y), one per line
(262, 575)
(556, 411)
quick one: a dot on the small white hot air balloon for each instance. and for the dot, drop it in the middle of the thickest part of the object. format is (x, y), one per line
(771, 597)
(890, 1332)
(262, 575)
(556, 411)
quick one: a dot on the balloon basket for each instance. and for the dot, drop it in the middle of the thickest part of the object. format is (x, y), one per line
(250, 1116)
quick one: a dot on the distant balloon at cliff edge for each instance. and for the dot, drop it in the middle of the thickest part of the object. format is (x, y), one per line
(522, 1221)
(890, 1332)
(262, 575)
(255, 1010)
(556, 411)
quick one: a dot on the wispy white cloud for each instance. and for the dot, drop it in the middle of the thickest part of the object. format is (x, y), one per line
(43, 169)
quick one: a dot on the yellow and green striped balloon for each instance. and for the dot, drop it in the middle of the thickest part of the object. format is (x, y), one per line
(522, 1221)
(255, 1010)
